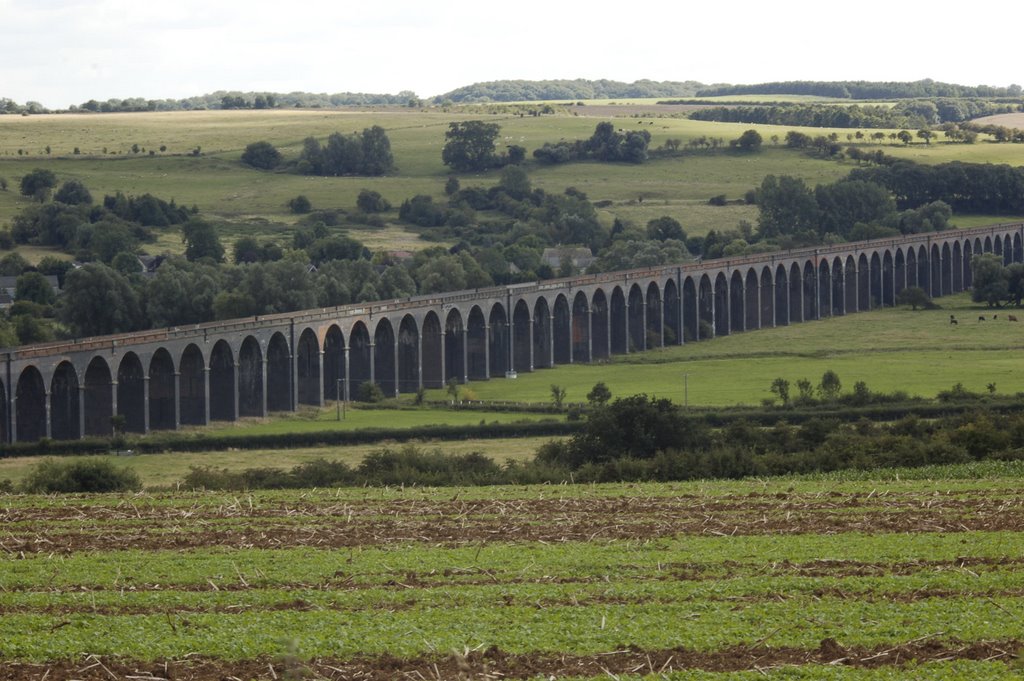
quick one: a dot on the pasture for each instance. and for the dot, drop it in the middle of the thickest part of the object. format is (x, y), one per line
(891, 349)
(251, 202)
(883, 577)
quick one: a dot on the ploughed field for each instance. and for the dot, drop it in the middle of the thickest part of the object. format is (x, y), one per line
(801, 578)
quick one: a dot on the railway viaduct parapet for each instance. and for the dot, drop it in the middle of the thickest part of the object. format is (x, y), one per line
(165, 378)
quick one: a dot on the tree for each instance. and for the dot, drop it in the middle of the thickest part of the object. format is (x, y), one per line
(470, 145)
(599, 394)
(990, 282)
(35, 287)
(262, 155)
(665, 228)
(377, 157)
(926, 135)
(786, 206)
(300, 204)
(371, 201)
(780, 387)
(914, 296)
(73, 192)
(38, 183)
(97, 301)
(452, 388)
(558, 395)
(748, 141)
(830, 385)
(905, 137)
(201, 241)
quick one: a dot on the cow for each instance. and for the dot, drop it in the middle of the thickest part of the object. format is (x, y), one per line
(981, 318)
(952, 320)
(1011, 318)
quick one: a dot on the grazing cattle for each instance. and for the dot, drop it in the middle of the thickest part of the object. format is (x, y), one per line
(952, 319)
(981, 318)
(1011, 317)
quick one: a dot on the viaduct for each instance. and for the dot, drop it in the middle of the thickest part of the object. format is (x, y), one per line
(165, 378)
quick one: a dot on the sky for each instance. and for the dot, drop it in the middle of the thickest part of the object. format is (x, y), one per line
(64, 52)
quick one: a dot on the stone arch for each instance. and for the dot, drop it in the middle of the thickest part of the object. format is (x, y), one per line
(162, 392)
(899, 273)
(252, 387)
(223, 393)
(946, 265)
(957, 267)
(599, 325)
(308, 361)
(360, 358)
(838, 287)
(968, 277)
(192, 386)
(781, 296)
(635, 312)
(654, 322)
(706, 308)
(99, 398)
(810, 291)
(987, 246)
(334, 364)
(888, 280)
(542, 337)
(131, 393)
(1007, 249)
(64, 403)
(580, 328)
(433, 351)
(477, 345)
(454, 347)
(408, 355)
(673, 329)
(912, 267)
(796, 294)
(1018, 248)
(721, 303)
(5, 422)
(864, 301)
(30, 405)
(751, 301)
(767, 298)
(737, 303)
(562, 330)
(924, 277)
(280, 383)
(936, 276)
(498, 341)
(824, 289)
(522, 337)
(691, 311)
(385, 369)
(877, 295)
(620, 335)
(851, 281)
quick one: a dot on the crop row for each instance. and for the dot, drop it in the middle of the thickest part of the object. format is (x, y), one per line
(569, 629)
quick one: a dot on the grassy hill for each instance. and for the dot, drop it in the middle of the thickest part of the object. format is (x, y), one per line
(254, 202)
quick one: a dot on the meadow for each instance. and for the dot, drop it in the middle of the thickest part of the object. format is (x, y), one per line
(873, 578)
(250, 202)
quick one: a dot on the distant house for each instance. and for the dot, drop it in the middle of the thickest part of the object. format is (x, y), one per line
(580, 257)
(150, 263)
(9, 284)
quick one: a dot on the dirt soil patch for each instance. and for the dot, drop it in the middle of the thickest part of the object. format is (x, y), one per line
(497, 664)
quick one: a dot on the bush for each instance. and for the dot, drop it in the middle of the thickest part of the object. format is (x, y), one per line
(370, 392)
(300, 204)
(86, 475)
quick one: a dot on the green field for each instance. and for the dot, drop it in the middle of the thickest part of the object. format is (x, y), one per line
(890, 349)
(797, 578)
(251, 202)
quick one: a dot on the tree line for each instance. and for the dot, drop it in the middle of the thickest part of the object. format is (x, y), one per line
(862, 89)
